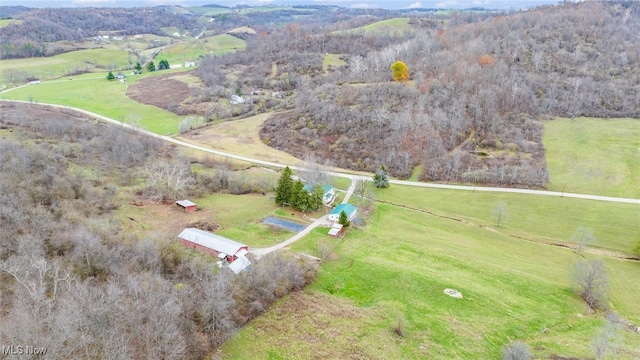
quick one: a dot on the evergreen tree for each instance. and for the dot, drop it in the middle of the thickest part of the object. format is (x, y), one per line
(138, 68)
(151, 67)
(316, 198)
(381, 179)
(298, 194)
(110, 76)
(343, 219)
(163, 65)
(303, 199)
(285, 184)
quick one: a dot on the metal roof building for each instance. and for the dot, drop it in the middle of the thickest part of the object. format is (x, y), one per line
(212, 243)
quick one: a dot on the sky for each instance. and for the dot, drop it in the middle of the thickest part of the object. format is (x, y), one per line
(387, 4)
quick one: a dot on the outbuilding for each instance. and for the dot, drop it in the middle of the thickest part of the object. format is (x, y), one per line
(213, 244)
(336, 230)
(186, 205)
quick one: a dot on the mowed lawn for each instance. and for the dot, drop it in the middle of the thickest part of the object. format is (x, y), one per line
(594, 156)
(398, 268)
(102, 97)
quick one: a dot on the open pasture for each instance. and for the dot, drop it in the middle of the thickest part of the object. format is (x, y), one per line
(394, 27)
(193, 49)
(594, 156)
(543, 219)
(240, 137)
(396, 270)
(102, 97)
(90, 60)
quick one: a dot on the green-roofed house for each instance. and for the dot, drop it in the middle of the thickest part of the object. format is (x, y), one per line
(349, 209)
(329, 193)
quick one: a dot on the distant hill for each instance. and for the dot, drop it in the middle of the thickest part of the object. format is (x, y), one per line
(9, 11)
(215, 6)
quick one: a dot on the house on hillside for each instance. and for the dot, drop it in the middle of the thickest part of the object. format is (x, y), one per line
(329, 193)
(213, 244)
(349, 209)
(186, 205)
(236, 99)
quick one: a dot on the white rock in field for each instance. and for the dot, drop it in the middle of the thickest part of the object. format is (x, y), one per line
(453, 293)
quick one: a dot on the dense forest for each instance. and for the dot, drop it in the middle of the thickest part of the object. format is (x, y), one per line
(472, 111)
(73, 281)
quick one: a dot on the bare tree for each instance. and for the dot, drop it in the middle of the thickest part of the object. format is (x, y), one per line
(583, 237)
(516, 350)
(608, 337)
(500, 213)
(591, 278)
(314, 172)
(169, 179)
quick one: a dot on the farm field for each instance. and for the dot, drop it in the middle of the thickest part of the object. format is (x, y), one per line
(192, 50)
(395, 27)
(56, 66)
(240, 137)
(536, 218)
(594, 156)
(102, 97)
(398, 267)
(5, 22)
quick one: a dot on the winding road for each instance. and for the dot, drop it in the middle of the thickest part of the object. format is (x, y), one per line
(323, 221)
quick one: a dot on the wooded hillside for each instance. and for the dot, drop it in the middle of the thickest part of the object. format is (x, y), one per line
(479, 91)
(72, 281)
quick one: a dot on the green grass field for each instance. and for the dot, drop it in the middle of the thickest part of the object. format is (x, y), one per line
(202, 10)
(103, 97)
(394, 27)
(332, 60)
(537, 218)
(58, 65)
(5, 22)
(400, 265)
(594, 156)
(193, 49)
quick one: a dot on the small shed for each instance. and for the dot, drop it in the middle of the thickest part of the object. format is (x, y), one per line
(186, 205)
(349, 209)
(336, 230)
(239, 265)
(212, 244)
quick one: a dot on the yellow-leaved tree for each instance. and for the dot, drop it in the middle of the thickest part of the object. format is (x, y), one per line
(400, 71)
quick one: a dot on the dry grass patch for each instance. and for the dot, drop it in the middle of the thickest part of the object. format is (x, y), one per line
(325, 328)
(240, 137)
